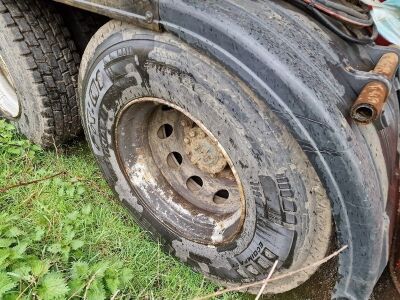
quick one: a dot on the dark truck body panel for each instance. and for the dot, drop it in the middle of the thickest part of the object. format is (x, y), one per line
(291, 62)
(124, 10)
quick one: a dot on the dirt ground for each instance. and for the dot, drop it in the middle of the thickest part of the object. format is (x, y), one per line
(320, 286)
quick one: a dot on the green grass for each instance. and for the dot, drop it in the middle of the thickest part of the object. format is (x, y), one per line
(67, 237)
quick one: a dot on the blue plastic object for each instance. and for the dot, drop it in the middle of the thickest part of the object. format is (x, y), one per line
(386, 16)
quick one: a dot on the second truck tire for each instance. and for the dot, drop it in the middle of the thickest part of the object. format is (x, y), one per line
(38, 72)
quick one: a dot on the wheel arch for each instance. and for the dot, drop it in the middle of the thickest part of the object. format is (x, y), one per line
(299, 70)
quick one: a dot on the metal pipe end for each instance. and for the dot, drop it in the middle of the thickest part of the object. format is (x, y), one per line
(364, 113)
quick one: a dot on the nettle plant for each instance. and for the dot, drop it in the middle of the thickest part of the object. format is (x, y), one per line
(48, 262)
(11, 145)
(31, 269)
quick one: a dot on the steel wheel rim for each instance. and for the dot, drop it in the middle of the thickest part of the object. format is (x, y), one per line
(9, 103)
(177, 160)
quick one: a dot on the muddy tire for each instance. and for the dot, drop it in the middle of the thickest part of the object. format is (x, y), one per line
(39, 68)
(140, 89)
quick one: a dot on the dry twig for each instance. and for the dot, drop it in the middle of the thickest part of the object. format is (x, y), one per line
(267, 279)
(5, 189)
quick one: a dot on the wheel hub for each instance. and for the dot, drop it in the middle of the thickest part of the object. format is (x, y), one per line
(8, 97)
(180, 170)
(192, 162)
(202, 150)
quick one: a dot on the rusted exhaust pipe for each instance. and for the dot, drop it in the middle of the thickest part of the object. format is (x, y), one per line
(373, 96)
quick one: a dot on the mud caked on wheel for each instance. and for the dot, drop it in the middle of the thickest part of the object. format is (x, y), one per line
(201, 161)
(38, 72)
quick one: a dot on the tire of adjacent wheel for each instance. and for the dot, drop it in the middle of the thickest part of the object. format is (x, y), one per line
(39, 72)
(285, 212)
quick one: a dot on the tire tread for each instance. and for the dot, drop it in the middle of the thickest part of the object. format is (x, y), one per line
(48, 50)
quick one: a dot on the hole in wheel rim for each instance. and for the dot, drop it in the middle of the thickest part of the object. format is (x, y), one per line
(221, 196)
(174, 159)
(165, 131)
(194, 183)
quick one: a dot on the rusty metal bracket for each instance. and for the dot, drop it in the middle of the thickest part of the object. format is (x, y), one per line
(359, 78)
(143, 13)
(369, 104)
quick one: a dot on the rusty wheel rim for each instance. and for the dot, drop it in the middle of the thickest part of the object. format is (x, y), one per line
(180, 171)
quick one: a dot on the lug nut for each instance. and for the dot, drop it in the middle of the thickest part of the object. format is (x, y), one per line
(192, 134)
(184, 123)
(186, 140)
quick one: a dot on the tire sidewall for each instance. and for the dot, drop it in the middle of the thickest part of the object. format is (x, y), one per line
(278, 203)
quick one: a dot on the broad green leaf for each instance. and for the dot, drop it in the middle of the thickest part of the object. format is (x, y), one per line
(14, 232)
(14, 150)
(65, 253)
(5, 243)
(4, 255)
(76, 285)
(40, 267)
(69, 234)
(6, 284)
(80, 190)
(86, 210)
(99, 268)
(38, 234)
(113, 284)
(126, 275)
(52, 286)
(96, 290)
(13, 295)
(76, 244)
(80, 269)
(73, 216)
(18, 250)
(21, 273)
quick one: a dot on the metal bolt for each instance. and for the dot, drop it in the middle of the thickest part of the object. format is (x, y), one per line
(149, 16)
(186, 140)
(187, 152)
(192, 134)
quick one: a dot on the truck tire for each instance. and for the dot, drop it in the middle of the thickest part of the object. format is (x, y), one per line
(40, 65)
(199, 160)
